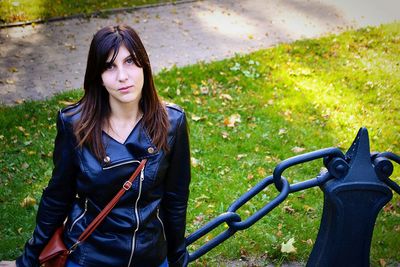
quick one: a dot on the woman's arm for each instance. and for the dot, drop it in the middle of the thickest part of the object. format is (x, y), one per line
(57, 197)
(176, 196)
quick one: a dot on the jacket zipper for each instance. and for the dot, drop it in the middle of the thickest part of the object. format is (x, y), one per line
(162, 224)
(137, 215)
(80, 217)
(120, 164)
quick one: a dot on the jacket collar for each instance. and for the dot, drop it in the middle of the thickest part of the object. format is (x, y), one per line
(140, 144)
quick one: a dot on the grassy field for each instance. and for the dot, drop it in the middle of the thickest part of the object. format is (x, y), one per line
(27, 10)
(246, 114)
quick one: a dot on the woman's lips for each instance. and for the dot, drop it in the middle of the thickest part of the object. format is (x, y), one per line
(125, 89)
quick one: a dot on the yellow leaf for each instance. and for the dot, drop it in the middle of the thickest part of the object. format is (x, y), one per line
(12, 69)
(22, 129)
(195, 162)
(196, 118)
(65, 103)
(240, 156)
(28, 202)
(261, 171)
(232, 120)
(282, 131)
(297, 149)
(204, 90)
(308, 208)
(225, 96)
(225, 135)
(288, 246)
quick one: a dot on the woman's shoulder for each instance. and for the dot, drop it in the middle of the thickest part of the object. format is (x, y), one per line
(173, 107)
(70, 114)
(175, 112)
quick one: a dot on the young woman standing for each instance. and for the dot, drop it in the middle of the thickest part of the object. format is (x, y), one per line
(100, 141)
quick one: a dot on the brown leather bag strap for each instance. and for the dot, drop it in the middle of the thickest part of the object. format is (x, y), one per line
(103, 214)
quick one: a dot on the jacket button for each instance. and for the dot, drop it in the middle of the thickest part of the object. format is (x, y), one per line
(107, 159)
(150, 150)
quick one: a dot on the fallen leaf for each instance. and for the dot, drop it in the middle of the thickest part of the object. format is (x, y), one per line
(225, 135)
(25, 166)
(65, 103)
(196, 118)
(177, 21)
(288, 209)
(195, 162)
(388, 207)
(282, 131)
(309, 242)
(204, 90)
(70, 46)
(225, 96)
(261, 172)
(232, 120)
(12, 69)
(28, 202)
(382, 262)
(308, 208)
(198, 219)
(22, 129)
(240, 156)
(288, 246)
(279, 233)
(297, 149)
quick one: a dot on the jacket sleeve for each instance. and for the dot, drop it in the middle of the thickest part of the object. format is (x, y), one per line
(176, 196)
(56, 198)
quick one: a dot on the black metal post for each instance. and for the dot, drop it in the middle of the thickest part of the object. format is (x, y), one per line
(351, 205)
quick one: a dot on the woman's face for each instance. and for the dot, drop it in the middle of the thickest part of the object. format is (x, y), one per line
(123, 79)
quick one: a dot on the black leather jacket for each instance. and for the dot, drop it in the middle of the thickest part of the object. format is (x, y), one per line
(147, 224)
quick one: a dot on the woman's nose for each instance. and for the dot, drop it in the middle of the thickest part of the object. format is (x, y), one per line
(122, 75)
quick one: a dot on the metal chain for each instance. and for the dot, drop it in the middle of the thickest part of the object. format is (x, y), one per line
(337, 167)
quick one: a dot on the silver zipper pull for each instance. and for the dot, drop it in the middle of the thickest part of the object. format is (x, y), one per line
(142, 174)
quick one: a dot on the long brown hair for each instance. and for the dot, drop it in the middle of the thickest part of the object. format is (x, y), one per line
(95, 107)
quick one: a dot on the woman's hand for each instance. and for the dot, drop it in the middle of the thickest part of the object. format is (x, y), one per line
(7, 264)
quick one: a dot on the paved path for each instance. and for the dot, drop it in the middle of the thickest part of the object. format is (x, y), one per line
(36, 62)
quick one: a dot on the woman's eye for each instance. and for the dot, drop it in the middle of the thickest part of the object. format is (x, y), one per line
(109, 66)
(130, 61)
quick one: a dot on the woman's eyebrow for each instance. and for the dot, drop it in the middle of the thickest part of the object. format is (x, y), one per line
(130, 56)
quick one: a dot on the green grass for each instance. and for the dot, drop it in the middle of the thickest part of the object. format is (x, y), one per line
(27, 10)
(310, 94)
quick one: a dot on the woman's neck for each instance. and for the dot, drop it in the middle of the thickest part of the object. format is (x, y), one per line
(122, 120)
(124, 112)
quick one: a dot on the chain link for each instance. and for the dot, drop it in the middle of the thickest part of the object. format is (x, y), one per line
(384, 168)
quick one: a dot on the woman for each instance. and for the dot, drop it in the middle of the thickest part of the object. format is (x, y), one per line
(100, 141)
